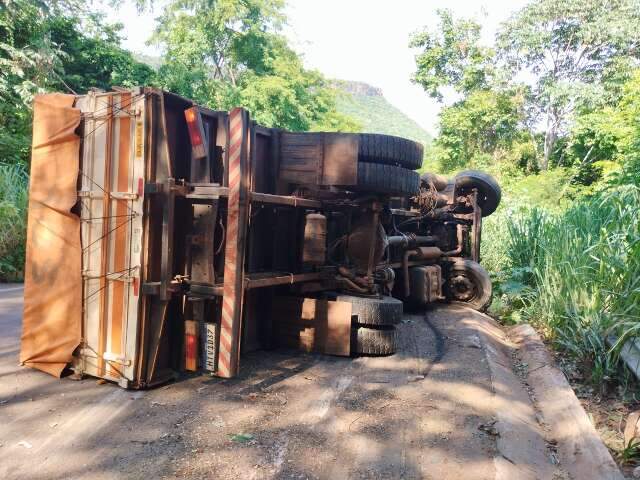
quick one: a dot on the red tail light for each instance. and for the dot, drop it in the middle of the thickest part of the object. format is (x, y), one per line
(196, 132)
(191, 345)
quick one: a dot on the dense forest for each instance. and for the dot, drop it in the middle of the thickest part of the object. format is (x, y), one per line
(551, 108)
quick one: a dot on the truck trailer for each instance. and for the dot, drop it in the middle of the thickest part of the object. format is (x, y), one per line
(166, 237)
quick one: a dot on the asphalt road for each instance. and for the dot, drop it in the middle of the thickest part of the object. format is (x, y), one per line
(446, 406)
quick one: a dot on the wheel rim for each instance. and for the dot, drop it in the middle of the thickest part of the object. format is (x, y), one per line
(462, 288)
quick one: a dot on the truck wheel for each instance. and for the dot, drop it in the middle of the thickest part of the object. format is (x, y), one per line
(489, 192)
(389, 150)
(439, 182)
(376, 341)
(387, 179)
(374, 311)
(468, 283)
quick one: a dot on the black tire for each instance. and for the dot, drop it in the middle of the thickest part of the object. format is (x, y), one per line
(489, 192)
(389, 150)
(387, 179)
(467, 282)
(438, 182)
(374, 311)
(376, 341)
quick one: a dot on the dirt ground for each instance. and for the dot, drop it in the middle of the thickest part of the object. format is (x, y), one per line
(608, 409)
(431, 411)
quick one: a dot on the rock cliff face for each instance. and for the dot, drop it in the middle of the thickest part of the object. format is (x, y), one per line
(367, 105)
(358, 88)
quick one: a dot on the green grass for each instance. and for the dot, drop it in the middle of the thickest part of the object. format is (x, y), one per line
(573, 272)
(630, 454)
(13, 221)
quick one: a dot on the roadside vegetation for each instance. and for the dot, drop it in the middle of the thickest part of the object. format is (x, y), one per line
(13, 206)
(552, 109)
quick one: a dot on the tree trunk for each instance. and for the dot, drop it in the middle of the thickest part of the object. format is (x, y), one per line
(550, 137)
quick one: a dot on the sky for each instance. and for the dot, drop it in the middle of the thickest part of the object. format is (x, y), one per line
(364, 40)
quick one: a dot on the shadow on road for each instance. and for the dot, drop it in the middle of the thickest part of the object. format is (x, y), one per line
(415, 414)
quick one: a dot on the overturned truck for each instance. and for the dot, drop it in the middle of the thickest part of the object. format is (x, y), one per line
(166, 237)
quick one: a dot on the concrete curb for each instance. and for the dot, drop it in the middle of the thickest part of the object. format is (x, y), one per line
(580, 449)
(521, 443)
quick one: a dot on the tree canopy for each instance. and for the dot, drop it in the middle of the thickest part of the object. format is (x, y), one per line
(225, 53)
(553, 64)
(574, 49)
(44, 47)
(221, 53)
(451, 56)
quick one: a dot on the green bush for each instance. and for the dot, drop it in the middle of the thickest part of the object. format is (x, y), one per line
(579, 270)
(13, 221)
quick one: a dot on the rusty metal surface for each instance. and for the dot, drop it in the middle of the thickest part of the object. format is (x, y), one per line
(340, 159)
(202, 243)
(313, 325)
(426, 284)
(237, 211)
(318, 158)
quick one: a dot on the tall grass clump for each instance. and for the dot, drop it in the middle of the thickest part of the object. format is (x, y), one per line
(583, 266)
(13, 221)
(493, 248)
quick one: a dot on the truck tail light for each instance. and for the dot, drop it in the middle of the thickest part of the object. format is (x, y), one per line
(191, 345)
(196, 132)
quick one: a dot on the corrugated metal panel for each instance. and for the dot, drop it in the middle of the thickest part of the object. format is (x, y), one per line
(112, 195)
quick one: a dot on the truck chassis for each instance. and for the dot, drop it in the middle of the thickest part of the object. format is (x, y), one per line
(216, 235)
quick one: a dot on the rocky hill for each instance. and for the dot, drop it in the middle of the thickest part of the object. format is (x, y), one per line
(368, 106)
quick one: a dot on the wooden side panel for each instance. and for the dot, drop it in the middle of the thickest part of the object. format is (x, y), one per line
(301, 157)
(261, 174)
(340, 159)
(313, 325)
(319, 158)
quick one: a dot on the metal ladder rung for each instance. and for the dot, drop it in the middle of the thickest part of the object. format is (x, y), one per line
(98, 194)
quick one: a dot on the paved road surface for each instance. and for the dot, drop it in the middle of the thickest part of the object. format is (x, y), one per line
(426, 412)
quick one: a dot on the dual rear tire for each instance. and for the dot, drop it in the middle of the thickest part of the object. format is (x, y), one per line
(386, 165)
(374, 321)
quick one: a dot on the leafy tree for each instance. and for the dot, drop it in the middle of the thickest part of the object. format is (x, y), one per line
(27, 58)
(451, 57)
(96, 61)
(225, 53)
(609, 138)
(629, 142)
(44, 47)
(574, 49)
(488, 121)
(481, 130)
